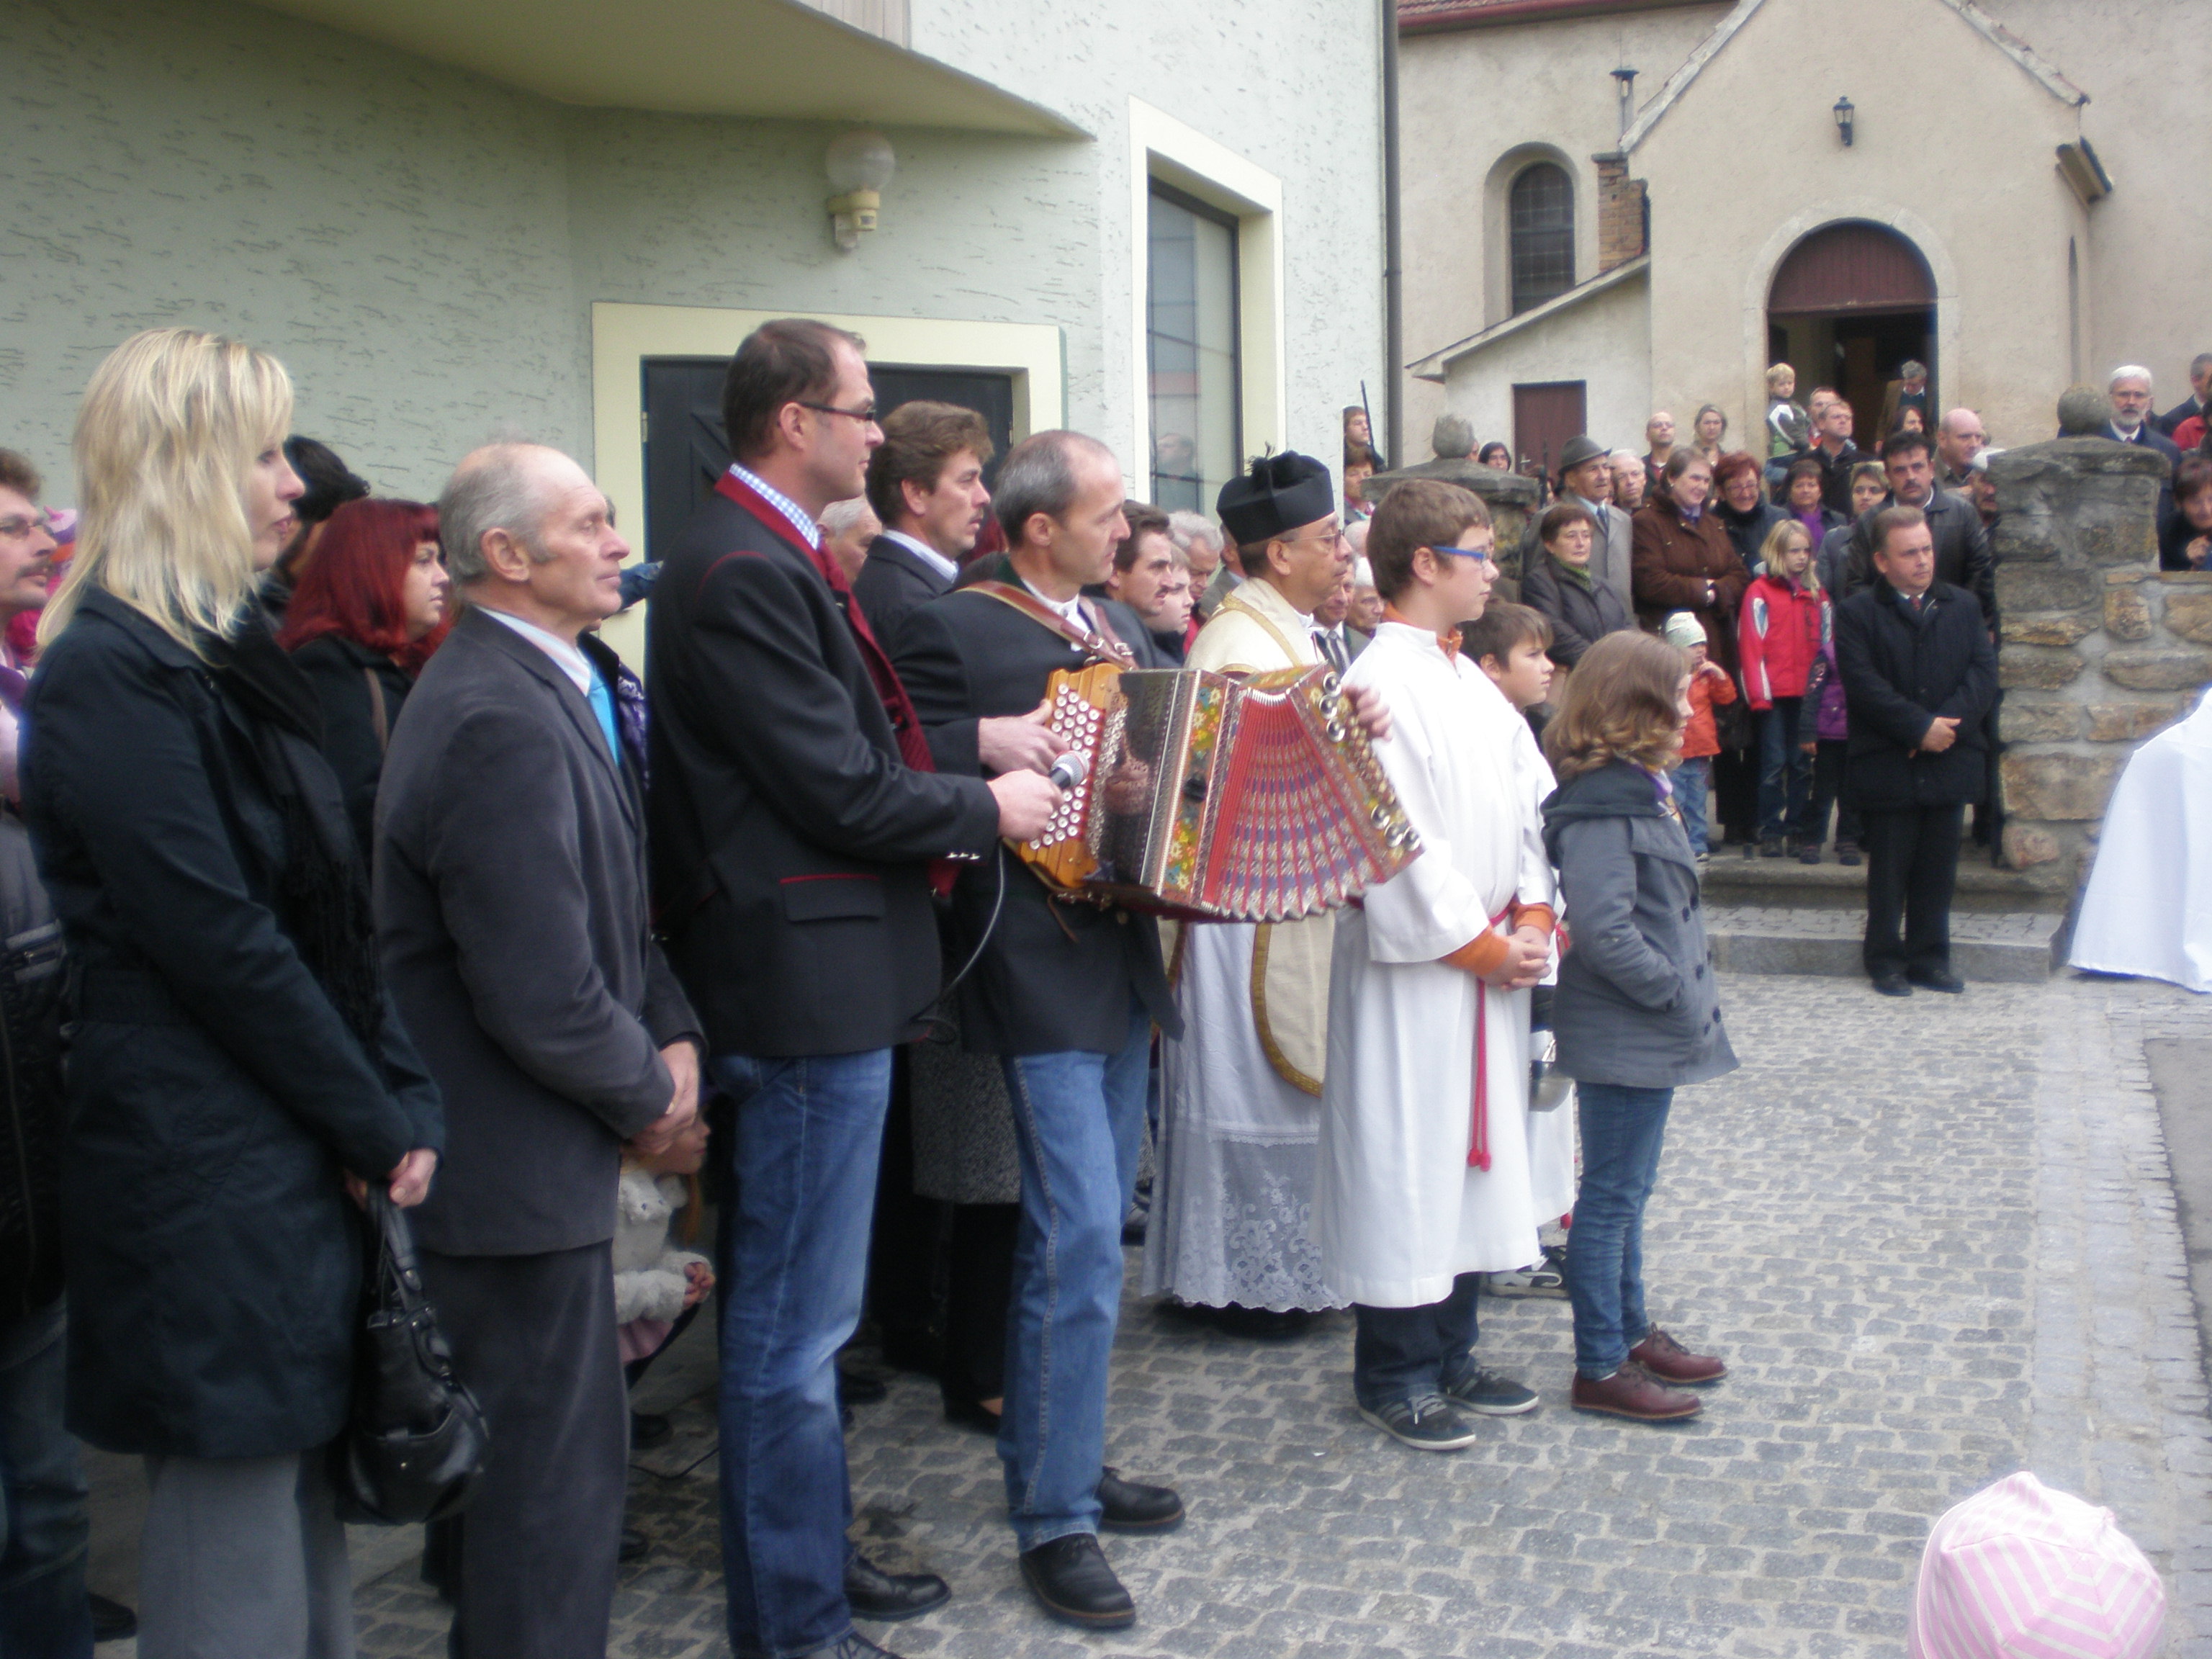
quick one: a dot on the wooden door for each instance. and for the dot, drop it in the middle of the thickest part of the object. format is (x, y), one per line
(1544, 415)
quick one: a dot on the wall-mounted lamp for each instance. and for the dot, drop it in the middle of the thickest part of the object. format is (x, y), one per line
(859, 165)
(1623, 86)
(1843, 114)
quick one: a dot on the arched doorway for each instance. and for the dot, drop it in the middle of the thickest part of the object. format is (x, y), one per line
(1848, 307)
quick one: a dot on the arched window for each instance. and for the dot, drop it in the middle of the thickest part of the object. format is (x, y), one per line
(1542, 219)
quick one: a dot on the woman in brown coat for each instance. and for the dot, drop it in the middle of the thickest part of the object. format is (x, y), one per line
(1680, 558)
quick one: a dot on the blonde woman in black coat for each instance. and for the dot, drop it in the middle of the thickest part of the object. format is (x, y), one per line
(236, 1065)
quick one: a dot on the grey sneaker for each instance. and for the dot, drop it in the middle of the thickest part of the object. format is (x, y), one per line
(1429, 1424)
(1489, 1395)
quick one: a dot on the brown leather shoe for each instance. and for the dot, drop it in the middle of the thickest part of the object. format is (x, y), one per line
(1633, 1392)
(1670, 1361)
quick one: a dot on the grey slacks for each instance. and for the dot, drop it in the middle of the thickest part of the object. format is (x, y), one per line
(534, 1337)
(243, 1558)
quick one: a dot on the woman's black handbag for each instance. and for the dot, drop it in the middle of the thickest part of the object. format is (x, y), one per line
(415, 1440)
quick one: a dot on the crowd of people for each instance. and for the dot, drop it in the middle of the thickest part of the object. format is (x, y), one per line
(348, 856)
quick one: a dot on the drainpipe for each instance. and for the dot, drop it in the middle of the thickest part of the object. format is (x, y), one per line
(1394, 319)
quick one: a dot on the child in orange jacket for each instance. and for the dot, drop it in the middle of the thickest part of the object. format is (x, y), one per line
(1710, 684)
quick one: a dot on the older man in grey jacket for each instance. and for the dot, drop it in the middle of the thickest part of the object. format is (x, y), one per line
(511, 906)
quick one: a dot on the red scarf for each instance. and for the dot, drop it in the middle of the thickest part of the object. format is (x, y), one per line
(906, 724)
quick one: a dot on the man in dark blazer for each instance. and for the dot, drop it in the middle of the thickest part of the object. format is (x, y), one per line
(926, 482)
(1918, 673)
(795, 813)
(1065, 995)
(1962, 546)
(2198, 400)
(510, 909)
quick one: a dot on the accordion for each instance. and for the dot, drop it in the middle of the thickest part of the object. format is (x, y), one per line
(1217, 798)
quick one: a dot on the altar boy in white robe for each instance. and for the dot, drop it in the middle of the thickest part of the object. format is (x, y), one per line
(1423, 1180)
(1230, 1229)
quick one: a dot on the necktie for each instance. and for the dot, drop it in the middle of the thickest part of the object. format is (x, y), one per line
(1331, 648)
(602, 705)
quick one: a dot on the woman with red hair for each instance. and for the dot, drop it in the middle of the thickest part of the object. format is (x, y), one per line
(366, 617)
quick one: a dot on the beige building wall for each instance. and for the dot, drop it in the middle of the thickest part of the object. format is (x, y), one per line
(1475, 105)
(2145, 64)
(1998, 252)
(1611, 330)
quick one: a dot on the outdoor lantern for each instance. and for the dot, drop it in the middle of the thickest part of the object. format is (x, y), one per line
(1843, 114)
(860, 164)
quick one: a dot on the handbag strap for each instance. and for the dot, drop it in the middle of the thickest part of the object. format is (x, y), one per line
(396, 1264)
(377, 716)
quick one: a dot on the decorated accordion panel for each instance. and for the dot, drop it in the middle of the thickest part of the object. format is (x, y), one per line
(1248, 800)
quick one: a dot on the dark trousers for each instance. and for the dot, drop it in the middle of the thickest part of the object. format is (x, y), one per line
(979, 1286)
(1785, 773)
(904, 1242)
(1404, 1353)
(43, 1528)
(1912, 862)
(534, 1337)
(1831, 765)
(1735, 808)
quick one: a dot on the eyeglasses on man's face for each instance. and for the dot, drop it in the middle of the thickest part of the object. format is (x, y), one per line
(1480, 554)
(865, 417)
(18, 528)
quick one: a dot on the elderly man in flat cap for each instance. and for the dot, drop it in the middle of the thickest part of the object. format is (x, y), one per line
(1240, 1112)
(1586, 478)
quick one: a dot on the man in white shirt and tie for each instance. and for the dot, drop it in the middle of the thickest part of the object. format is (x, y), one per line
(926, 482)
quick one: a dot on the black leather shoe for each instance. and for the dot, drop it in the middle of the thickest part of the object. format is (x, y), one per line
(1936, 979)
(857, 1646)
(1131, 1506)
(884, 1598)
(970, 1415)
(1071, 1578)
(859, 1389)
(1890, 983)
(111, 1620)
(635, 1547)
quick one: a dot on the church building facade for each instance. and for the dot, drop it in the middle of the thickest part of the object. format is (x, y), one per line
(1613, 206)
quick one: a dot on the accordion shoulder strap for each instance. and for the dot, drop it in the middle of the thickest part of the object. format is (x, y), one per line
(1243, 608)
(1104, 644)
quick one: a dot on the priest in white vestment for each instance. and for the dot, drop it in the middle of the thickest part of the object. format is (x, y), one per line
(1231, 1224)
(2149, 907)
(1422, 1178)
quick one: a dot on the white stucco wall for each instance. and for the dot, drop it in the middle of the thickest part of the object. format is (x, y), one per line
(2144, 64)
(423, 247)
(1605, 342)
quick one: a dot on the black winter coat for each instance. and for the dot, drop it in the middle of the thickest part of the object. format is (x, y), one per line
(1901, 670)
(1057, 976)
(31, 961)
(1579, 616)
(339, 669)
(215, 1094)
(1962, 551)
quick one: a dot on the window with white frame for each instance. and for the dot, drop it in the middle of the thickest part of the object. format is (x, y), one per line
(1193, 374)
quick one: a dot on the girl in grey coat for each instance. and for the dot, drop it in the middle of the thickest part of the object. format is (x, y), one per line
(1637, 1013)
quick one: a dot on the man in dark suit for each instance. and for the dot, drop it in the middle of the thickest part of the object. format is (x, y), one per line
(1918, 673)
(1962, 546)
(2132, 424)
(926, 482)
(2199, 399)
(511, 908)
(1065, 995)
(795, 811)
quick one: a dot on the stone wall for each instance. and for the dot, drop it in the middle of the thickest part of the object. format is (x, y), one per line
(2100, 647)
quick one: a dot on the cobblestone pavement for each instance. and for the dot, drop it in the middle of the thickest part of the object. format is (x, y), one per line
(1934, 1238)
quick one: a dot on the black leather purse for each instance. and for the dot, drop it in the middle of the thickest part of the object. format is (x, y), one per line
(414, 1439)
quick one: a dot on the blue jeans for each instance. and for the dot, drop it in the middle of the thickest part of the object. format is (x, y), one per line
(1407, 1353)
(793, 1258)
(1080, 1122)
(1693, 781)
(1623, 1130)
(1785, 773)
(44, 1532)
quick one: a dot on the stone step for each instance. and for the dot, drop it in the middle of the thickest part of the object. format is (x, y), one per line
(2015, 947)
(1732, 878)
